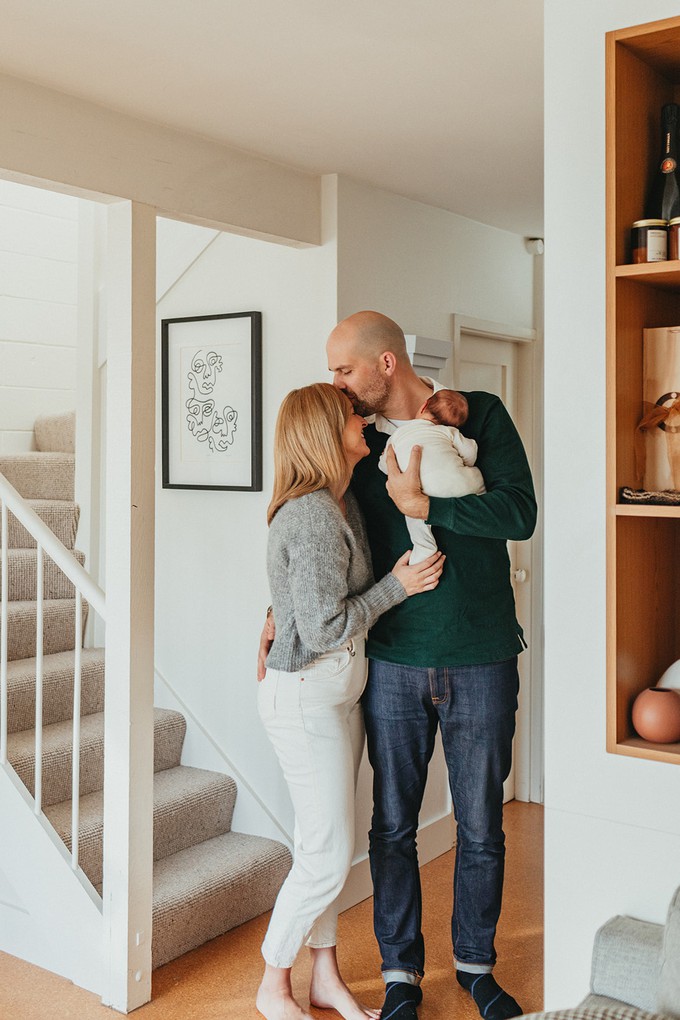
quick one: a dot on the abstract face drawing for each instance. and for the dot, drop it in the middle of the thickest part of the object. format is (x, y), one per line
(203, 373)
(206, 424)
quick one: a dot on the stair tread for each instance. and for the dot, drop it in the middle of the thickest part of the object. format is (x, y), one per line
(213, 865)
(30, 555)
(58, 735)
(169, 730)
(190, 805)
(19, 606)
(20, 669)
(172, 788)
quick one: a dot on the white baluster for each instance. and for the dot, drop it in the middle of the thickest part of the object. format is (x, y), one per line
(39, 681)
(75, 782)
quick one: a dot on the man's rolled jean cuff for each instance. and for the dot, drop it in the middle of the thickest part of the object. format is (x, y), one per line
(473, 968)
(406, 977)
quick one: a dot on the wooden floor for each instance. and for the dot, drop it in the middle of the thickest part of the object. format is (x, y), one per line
(218, 981)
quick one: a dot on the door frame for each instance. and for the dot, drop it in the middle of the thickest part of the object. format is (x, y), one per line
(529, 742)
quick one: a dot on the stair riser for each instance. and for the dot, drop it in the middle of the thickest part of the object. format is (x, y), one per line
(55, 433)
(57, 696)
(58, 629)
(186, 921)
(22, 579)
(40, 476)
(62, 521)
(56, 772)
(184, 824)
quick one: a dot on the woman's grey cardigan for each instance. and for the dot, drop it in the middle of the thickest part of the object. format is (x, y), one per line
(321, 579)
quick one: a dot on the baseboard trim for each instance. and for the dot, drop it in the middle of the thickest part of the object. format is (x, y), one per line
(435, 838)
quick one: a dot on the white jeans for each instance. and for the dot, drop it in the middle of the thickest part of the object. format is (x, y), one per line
(313, 719)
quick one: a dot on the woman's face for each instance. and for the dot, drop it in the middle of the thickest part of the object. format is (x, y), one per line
(353, 441)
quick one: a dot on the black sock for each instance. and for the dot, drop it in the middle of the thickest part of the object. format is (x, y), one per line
(492, 1002)
(401, 1000)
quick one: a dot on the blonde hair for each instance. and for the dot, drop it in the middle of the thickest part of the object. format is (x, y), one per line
(308, 449)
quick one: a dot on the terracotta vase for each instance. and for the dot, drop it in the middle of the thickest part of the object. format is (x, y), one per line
(656, 715)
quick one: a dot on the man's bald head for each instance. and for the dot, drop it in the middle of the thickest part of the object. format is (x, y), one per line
(371, 334)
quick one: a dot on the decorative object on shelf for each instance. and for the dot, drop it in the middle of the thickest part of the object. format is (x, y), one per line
(664, 193)
(657, 437)
(644, 498)
(649, 241)
(674, 238)
(656, 715)
(671, 677)
(212, 401)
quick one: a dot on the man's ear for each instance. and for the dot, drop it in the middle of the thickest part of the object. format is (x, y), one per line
(388, 362)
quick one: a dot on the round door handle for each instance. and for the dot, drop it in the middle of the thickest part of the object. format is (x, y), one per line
(519, 576)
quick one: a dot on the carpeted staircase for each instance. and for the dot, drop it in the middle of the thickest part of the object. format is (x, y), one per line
(207, 879)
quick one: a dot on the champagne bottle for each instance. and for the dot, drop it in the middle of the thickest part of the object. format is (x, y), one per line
(664, 196)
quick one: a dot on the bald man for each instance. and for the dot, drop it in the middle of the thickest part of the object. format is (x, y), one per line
(446, 658)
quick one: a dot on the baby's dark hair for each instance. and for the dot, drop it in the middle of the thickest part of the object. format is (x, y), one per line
(447, 407)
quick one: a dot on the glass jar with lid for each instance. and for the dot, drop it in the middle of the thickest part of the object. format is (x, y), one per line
(674, 238)
(650, 241)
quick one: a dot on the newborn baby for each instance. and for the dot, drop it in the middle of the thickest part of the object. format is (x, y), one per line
(447, 465)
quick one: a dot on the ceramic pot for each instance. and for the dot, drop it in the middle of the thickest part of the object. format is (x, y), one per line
(656, 715)
(671, 678)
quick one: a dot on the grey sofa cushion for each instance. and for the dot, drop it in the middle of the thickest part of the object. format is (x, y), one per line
(626, 962)
(617, 1011)
(669, 980)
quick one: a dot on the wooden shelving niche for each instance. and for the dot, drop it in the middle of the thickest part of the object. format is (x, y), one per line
(643, 542)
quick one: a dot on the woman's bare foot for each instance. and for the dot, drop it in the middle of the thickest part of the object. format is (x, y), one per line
(329, 991)
(275, 999)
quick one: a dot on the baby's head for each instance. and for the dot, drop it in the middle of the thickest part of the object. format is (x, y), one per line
(445, 407)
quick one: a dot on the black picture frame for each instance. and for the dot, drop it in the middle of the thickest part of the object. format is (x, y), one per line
(211, 401)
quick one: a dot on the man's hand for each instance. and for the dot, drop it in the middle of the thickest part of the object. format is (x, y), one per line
(266, 639)
(404, 486)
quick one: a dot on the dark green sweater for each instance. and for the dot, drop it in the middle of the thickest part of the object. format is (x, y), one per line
(470, 617)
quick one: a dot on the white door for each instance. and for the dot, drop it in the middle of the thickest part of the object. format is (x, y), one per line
(493, 365)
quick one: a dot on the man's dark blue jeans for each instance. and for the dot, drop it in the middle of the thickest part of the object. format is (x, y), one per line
(475, 707)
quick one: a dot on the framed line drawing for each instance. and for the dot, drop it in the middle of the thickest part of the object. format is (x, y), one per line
(211, 393)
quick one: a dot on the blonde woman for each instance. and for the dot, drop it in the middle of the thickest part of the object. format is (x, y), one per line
(324, 600)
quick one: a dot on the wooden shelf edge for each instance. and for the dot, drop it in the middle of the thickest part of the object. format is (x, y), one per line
(634, 510)
(657, 274)
(636, 747)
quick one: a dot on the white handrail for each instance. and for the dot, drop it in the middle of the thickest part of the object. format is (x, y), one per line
(64, 559)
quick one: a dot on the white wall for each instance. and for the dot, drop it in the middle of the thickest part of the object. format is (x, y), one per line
(38, 309)
(420, 265)
(211, 579)
(612, 823)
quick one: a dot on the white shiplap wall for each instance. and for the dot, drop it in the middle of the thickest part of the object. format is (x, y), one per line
(38, 309)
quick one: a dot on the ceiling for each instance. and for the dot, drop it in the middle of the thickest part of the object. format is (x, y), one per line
(441, 100)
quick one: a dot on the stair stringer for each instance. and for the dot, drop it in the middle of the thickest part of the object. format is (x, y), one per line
(58, 922)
